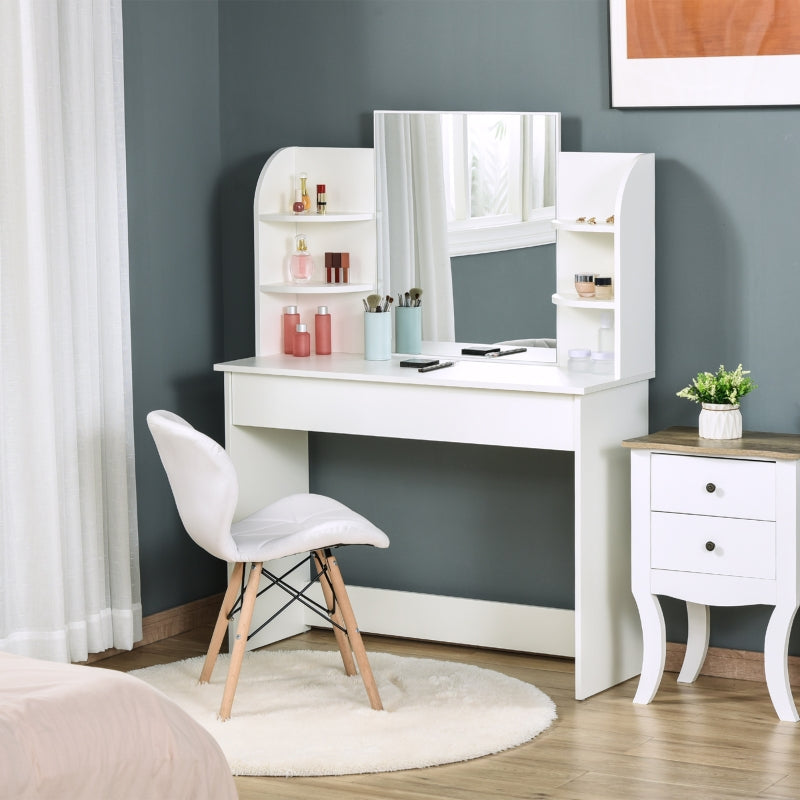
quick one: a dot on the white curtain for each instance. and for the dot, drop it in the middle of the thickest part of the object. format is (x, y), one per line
(412, 217)
(69, 572)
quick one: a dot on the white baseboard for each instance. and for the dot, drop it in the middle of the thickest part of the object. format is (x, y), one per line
(457, 620)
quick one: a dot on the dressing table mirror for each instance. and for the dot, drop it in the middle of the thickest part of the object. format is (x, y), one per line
(464, 201)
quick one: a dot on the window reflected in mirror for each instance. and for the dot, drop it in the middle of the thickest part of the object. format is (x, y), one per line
(499, 182)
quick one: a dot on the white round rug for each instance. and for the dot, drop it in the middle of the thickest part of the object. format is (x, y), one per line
(297, 713)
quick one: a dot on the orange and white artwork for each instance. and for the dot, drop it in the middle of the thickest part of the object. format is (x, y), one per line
(705, 52)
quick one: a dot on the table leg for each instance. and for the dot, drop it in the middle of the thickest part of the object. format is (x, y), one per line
(655, 647)
(776, 645)
(696, 642)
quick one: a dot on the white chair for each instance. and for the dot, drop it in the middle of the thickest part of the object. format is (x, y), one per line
(206, 490)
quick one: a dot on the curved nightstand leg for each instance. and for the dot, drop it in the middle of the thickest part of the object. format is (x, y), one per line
(776, 645)
(698, 618)
(655, 647)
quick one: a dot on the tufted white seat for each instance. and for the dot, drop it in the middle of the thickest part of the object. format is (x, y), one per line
(206, 490)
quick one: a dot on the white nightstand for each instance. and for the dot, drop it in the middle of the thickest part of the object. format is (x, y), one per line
(715, 522)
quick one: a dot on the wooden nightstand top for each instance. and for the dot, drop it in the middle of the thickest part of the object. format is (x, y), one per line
(783, 446)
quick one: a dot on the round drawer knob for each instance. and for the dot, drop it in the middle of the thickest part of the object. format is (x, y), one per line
(710, 546)
(710, 488)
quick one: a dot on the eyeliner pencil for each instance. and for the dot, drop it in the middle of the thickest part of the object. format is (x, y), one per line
(432, 367)
(507, 352)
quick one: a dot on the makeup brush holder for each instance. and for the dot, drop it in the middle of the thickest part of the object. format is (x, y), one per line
(377, 335)
(408, 329)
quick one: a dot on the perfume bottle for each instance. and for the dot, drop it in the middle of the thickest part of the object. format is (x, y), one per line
(301, 265)
(304, 191)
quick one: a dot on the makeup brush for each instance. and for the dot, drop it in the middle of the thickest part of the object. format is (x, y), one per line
(416, 294)
(373, 301)
(407, 299)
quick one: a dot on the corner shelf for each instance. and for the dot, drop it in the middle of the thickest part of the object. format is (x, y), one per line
(584, 227)
(316, 287)
(349, 225)
(354, 216)
(622, 184)
(573, 301)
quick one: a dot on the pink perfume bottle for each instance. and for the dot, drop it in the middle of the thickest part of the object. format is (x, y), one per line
(301, 265)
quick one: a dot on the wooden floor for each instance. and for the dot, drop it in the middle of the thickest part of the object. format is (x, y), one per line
(718, 739)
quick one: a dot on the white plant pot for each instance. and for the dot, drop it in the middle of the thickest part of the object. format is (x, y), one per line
(719, 421)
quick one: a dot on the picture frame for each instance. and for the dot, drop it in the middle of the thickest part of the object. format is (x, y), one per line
(676, 53)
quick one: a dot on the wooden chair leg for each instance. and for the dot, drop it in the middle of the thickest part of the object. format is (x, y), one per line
(335, 614)
(222, 622)
(237, 651)
(353, 634)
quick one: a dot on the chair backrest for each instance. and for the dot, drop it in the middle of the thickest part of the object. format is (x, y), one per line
(203, 481)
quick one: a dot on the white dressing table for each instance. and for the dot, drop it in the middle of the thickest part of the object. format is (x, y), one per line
(273, 400)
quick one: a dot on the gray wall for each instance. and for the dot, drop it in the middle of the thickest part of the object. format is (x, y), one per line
(505, 295)
(310, 72)
(173, 154)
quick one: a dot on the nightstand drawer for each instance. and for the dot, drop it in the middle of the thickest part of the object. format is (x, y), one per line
(713, 545)
(720, 487)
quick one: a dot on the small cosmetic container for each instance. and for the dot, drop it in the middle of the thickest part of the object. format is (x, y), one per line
(297, 206)
(605, 334)
(322, 331)
(302, 341)
(602, 362)
(345, 267)
(584, 285)
(291, 320)
(322, 199)
(579, 360)
(603, 289)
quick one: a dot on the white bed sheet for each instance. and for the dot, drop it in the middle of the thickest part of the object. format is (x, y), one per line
(69, 731)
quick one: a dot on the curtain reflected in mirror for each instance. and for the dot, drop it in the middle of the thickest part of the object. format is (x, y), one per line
(465, 201)
(412, 218)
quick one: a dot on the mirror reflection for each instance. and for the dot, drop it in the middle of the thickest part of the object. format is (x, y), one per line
(465, 205)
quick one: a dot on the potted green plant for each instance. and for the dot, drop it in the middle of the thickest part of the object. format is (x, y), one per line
(719, 394)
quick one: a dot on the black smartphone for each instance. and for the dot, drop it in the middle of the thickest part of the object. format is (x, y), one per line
(479, 350)
(419, 362)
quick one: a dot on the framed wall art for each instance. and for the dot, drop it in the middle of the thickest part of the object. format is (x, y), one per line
(705, 53)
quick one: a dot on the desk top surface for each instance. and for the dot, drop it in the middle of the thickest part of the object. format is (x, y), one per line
(752, 444)
(465, 373)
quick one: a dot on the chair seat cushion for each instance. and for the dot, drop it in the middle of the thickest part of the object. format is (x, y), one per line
(300, 523)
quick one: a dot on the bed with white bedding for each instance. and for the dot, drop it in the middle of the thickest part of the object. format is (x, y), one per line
(69, 731)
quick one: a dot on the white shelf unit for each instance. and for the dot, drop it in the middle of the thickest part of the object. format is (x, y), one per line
(348, 226)
(602, 185)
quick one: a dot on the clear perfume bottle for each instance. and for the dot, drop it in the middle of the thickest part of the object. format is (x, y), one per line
(301, 265)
